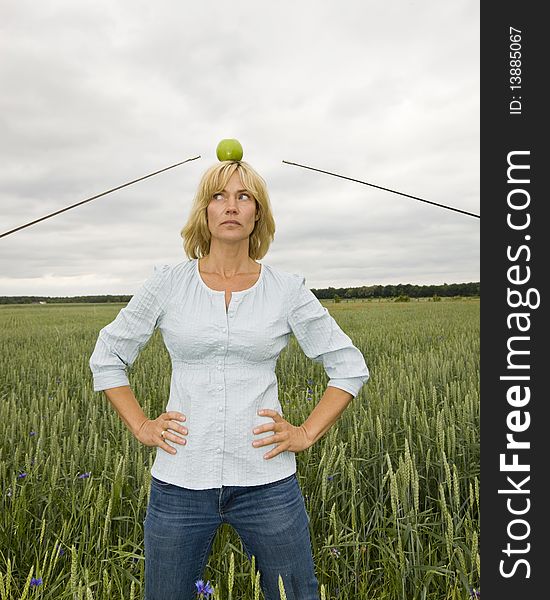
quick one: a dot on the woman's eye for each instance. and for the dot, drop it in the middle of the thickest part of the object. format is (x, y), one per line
(219, 195)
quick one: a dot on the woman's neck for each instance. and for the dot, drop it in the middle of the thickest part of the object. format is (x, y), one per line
(227, 261)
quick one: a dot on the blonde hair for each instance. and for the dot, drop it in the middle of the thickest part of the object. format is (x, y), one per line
(196, 235)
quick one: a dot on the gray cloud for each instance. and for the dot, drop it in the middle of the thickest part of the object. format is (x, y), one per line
(97, 94)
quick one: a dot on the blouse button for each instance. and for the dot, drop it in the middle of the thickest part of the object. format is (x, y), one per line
(218, 450)
(224, 330)
(220, 408)
(220, 387)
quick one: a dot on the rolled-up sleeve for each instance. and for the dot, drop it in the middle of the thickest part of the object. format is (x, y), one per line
(119, 343)
(322, 340)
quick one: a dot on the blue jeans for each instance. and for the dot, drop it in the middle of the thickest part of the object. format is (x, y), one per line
(270, 519)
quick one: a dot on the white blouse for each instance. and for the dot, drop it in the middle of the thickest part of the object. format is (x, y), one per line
(223, 366)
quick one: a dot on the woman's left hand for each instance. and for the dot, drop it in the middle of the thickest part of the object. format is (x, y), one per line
(287, 436)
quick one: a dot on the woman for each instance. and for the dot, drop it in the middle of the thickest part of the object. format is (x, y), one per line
(224, 319)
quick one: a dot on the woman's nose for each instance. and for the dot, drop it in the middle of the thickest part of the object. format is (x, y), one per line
(231, 202)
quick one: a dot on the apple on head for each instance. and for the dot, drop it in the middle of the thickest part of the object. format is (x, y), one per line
(229, 149)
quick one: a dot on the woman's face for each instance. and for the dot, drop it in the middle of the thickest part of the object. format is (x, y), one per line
(235, 204)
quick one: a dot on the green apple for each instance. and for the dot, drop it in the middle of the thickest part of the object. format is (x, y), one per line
(229, 149)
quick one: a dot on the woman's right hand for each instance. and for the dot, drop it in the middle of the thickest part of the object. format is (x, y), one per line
(151, 431)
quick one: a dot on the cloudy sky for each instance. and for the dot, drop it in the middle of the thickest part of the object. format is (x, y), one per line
(98, 93)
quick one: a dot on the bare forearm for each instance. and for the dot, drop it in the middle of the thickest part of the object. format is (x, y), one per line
(326, 412)
(124, 402)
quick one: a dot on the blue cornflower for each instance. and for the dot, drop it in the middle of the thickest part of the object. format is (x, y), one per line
(475, 593)
(60, 550)
(330, 477)
(335, 552)
(21, 475)
(85, 475)
(35, 581)
(32, 433)
(204, 588)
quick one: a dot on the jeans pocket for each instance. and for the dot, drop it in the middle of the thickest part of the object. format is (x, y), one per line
(159, 483)
(279, 481)
(289, 478)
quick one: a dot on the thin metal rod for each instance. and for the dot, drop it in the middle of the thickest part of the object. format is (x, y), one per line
(97, 196)
(464, 212)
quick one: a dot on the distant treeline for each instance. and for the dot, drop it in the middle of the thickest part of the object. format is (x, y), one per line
(401, 289)
(365, 291)
(63, 299)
